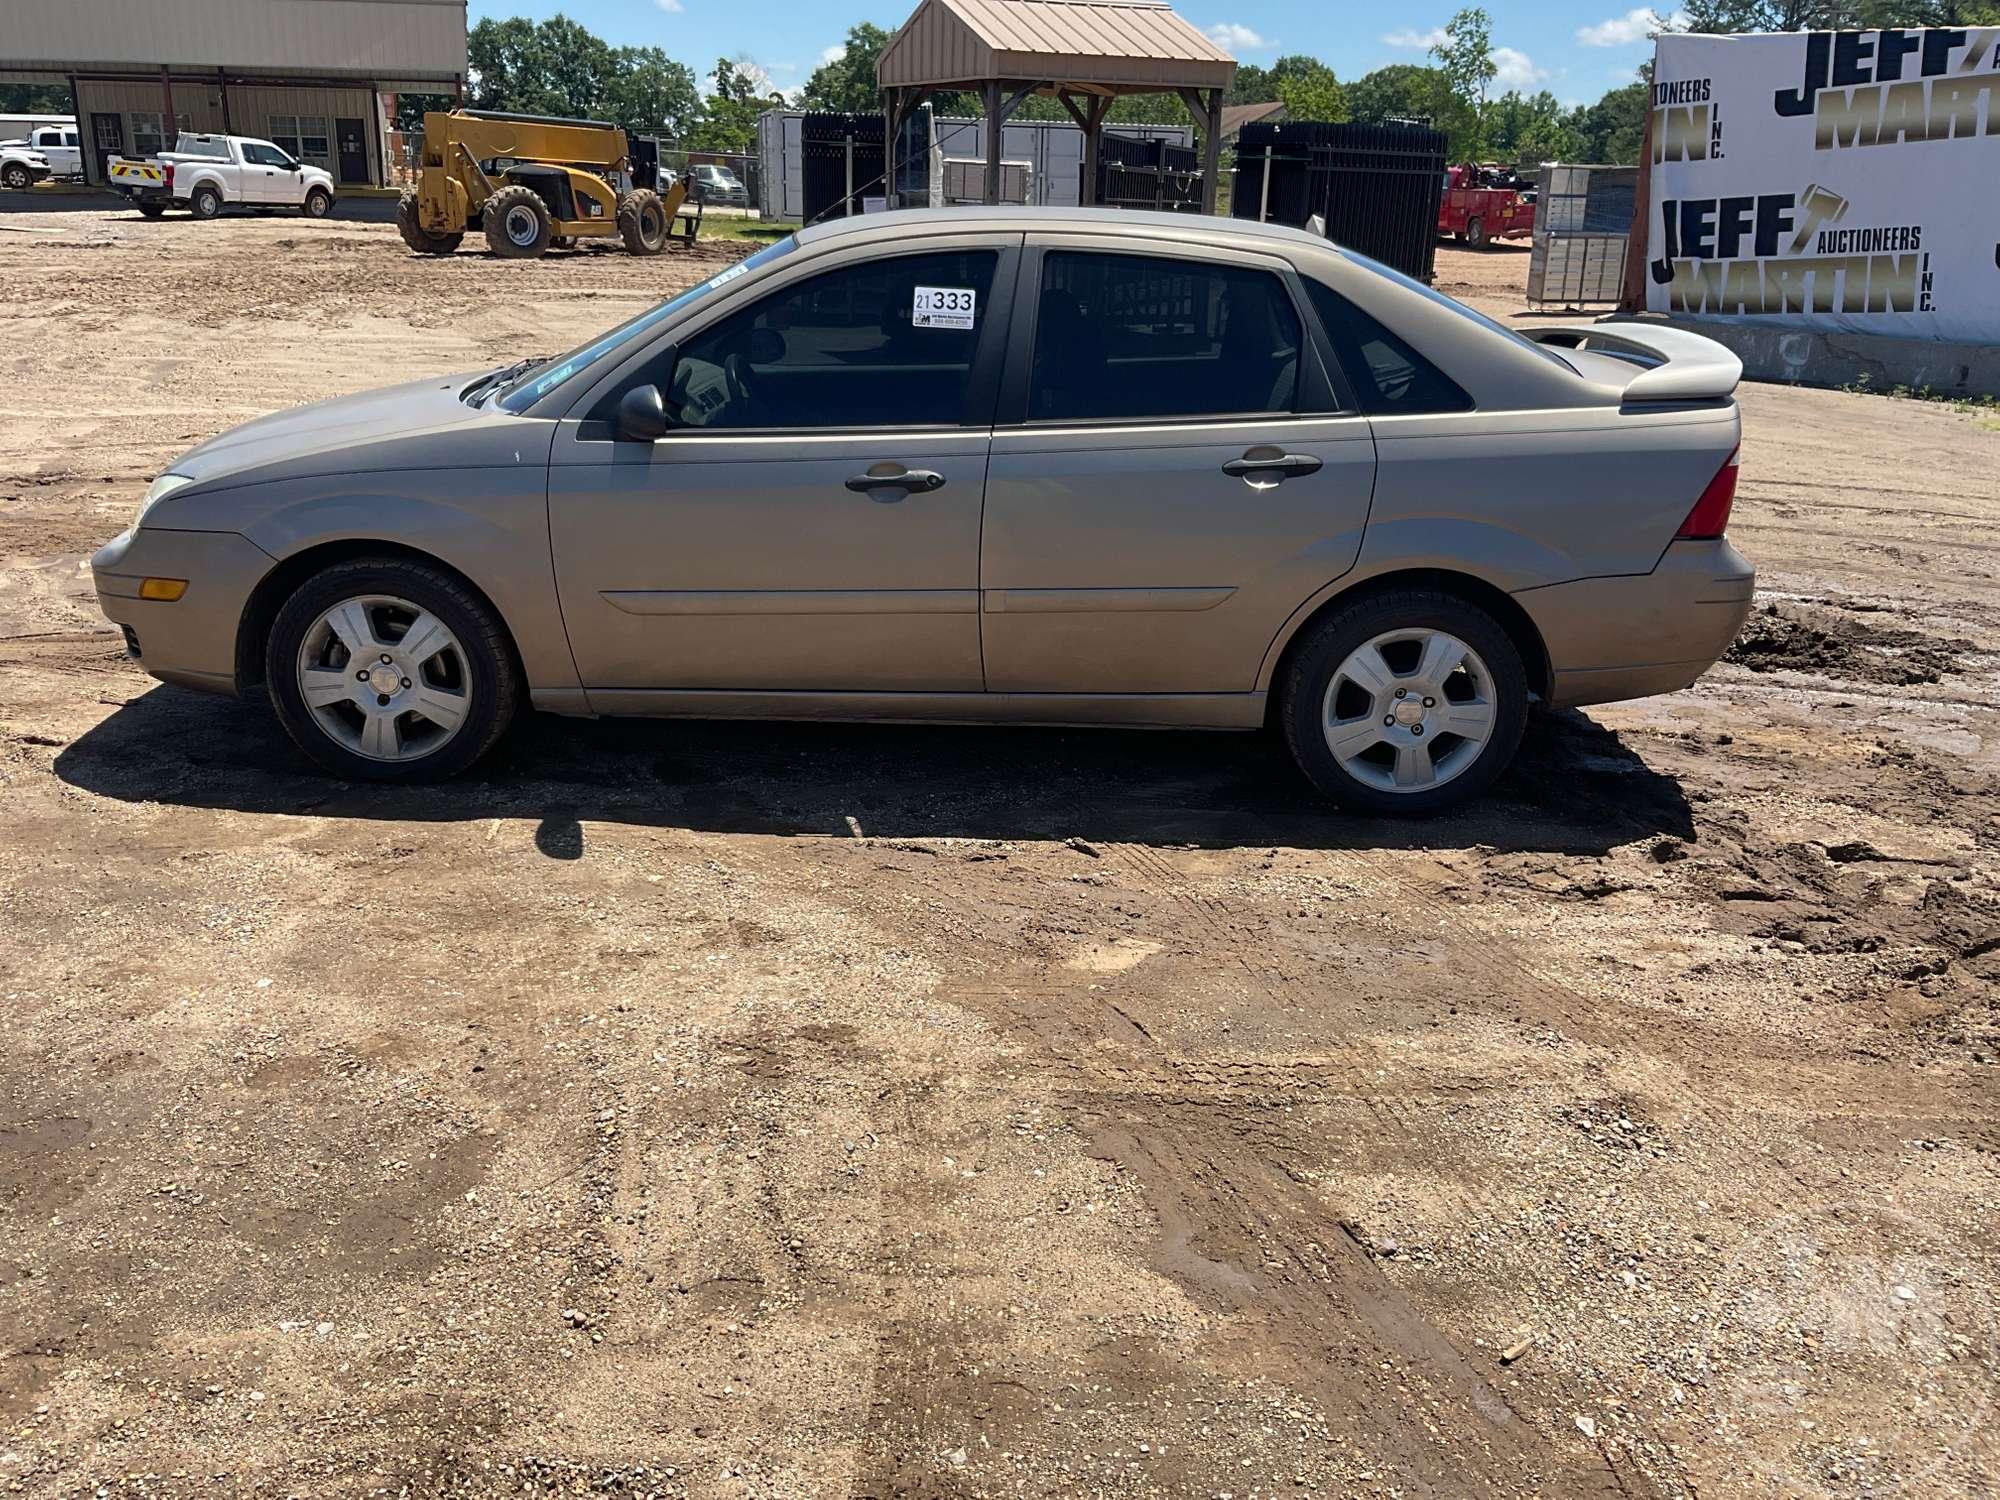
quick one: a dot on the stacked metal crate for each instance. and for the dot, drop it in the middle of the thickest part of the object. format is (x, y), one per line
(1583, 220)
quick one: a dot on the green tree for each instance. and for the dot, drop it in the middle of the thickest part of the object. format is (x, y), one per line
(1610, 130)
(1465, 58)
(1251, 85)
(1401, 91)
(652, 94)
(728, 120)
(1313, 94)
(1520, 128)
(847, 82)
(35, 99)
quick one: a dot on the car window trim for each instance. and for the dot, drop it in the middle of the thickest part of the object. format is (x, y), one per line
(1327, 399)
(982, 384)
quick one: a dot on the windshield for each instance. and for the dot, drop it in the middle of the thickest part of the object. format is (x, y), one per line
(1456, 306)
(537, 382)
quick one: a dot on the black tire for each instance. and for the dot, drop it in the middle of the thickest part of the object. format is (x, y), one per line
(418, 238)
(642, 220)
(1475, 233)
(318, 204)
(16, 176)
(153, 210)
(507, 213)
(1310, 672)
(493, 681)
(205, 202)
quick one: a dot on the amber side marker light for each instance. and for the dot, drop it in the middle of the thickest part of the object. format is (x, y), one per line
(166, 590)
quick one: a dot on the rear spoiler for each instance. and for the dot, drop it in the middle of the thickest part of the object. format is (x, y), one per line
(1675, 365)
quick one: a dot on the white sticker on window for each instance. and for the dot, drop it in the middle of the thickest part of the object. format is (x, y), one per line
(723, 278)
(943, 307)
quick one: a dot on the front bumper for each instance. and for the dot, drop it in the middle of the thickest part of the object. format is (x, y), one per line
(1615, 638)
(191, 641)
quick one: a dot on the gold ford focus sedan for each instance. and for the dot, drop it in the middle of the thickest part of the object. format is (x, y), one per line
(1014, 465)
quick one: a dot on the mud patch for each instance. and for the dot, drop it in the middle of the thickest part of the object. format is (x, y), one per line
(1797, 638)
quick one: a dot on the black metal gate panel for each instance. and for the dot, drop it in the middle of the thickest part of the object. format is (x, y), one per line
(1148, 174)
(1376, 187)
(840, 163)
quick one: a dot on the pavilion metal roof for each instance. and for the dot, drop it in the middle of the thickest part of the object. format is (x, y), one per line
(1111, 45)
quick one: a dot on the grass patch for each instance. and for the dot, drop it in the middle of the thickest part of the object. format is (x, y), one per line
(1861, 385)
(750, 231)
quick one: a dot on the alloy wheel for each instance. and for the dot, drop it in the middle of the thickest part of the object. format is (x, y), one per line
(1409, 710)
(384, 678)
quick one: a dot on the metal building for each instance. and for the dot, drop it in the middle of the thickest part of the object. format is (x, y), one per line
(318, 77)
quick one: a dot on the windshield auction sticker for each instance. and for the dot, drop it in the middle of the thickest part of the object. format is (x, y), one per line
(943, 307)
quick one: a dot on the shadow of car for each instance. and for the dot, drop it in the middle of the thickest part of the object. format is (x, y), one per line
(1575, 787)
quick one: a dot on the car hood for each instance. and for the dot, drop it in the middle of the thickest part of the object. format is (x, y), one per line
(422, 424)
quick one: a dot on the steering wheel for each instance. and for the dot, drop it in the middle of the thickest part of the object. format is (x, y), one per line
(736, 372)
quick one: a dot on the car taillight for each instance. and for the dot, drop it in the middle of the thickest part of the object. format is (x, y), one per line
(170, 176)
(1710, 516)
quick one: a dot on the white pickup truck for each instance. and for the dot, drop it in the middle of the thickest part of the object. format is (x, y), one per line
(206, 173)
(21, 166)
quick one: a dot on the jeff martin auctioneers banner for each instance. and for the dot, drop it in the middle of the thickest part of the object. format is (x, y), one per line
(1843, 180)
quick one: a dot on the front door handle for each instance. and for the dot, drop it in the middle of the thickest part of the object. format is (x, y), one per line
(1280, 466)
(909, 481)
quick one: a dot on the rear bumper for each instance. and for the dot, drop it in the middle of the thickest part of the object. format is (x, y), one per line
(1614, 638)
(191, 641)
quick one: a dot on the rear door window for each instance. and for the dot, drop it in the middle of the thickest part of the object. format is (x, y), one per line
(1137, 337)
(1390, 378)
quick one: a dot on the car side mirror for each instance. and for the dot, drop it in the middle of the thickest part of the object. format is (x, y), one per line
(642, 415)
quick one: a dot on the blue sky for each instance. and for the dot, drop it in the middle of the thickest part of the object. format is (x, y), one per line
(1574, 48)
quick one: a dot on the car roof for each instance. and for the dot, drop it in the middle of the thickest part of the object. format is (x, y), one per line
(1247, 232)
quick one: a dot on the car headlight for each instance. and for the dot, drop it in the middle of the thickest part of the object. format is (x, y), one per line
(160, 488)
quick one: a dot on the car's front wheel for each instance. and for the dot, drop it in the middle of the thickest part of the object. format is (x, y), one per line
(390, 670)
(1405, 702)
(318, 204)
(14, 175)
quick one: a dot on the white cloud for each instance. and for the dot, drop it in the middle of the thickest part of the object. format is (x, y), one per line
(1422, 40)
(671, 7)
(784, 67)
(1516, 70)
(1626, 30)
(1229, 35)
(833, 54)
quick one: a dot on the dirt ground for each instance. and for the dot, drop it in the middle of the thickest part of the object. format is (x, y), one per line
(757, 1110)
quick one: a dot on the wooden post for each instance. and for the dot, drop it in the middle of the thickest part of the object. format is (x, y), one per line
(1093, 141)
(892, 100)
(1632, 284)
(1211, 153)
(992, 92)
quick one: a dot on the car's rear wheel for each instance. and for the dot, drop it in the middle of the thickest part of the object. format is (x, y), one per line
(1405, 702)
(153, 210)
(1475, 233)
(205, 202)
(390, 670)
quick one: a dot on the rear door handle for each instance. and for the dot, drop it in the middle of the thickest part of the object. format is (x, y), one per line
(909, 481)
(1284, 466)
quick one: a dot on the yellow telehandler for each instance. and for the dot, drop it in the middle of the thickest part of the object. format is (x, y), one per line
(531, 183)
